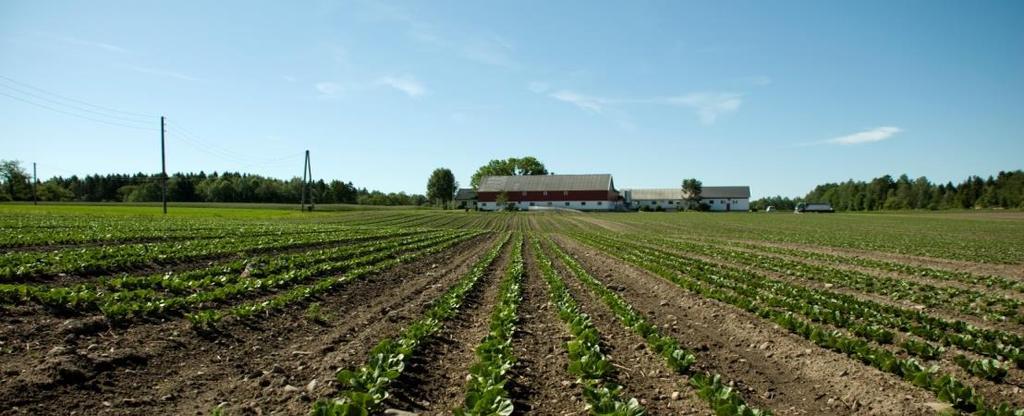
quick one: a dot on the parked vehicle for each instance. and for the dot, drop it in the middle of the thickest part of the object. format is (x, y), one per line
(816, 207)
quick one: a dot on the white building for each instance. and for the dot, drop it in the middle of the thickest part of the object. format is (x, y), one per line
(717, 198)
(668, 199)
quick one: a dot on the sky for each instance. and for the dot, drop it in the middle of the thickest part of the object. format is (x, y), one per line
(780, 96)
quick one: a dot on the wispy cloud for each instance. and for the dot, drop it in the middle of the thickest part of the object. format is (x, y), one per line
(289, 78)
(484, 48)
(876, 134)
(595, 104)
(538, 87)
(92, 44)
(709, 105)
(328, 88)
(406, 84)
(164, 73)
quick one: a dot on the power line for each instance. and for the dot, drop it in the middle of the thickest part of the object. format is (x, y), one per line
(78, 108)
(75, 114)
(129, 113)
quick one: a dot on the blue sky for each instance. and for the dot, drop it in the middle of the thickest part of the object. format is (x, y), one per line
(780, 96)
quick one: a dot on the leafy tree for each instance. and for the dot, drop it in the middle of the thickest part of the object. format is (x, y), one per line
(528, 165)
(692, 189)
(441, 186)
(16, 183)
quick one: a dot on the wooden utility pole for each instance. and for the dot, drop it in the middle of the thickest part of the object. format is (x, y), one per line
(163, 165)
(307, 177)
(34, 181)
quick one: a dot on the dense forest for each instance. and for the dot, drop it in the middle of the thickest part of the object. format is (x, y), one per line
(1005, 190)
(16, 184)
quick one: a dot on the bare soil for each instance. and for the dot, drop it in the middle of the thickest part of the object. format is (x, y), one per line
(434, 378)
(790, 375)
(276, 363)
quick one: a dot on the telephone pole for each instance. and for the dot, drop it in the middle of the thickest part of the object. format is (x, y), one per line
(307, 177)
(34, 181)
(163, 165)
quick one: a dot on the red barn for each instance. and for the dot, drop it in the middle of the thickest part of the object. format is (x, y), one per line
(580, 192)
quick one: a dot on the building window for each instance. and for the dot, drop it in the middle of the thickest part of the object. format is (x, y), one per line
(549, 203)
(566, 203)
(654, 202)
(583, 203)
(598, 202)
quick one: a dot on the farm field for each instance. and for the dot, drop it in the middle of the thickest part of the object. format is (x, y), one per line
(227, 310)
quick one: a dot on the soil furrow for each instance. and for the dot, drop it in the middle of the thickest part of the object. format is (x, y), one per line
(540, 382)
(249, 365)
(791, 375)
(434, 379)
(642, 373)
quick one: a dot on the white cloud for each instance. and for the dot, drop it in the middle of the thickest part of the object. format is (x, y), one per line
(289, 78)
(595, 104)
(405, 84)
(93, 44)
(489, 50)
(328, 88)
(164, 73)
(538, 87)
(876, 134)
(709, 106)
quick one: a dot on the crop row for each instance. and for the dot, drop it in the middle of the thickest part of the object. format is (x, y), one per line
(722, 398)
(215, 285)
(43, 231)
(336, 273)
(864, 319)
(486, 393)
(365, 388)
(919, 235)
(586, 360)
(989, 342)
(989, 281)
(709, 283)
(106, 259)
(964, 300)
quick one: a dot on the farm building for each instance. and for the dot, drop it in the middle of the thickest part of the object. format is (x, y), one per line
(668, 199)
(465, 198)
(580, 192)
(726, 198)
(718, 198)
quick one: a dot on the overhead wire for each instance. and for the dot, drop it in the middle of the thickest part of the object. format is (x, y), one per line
(100, 107)
(44, 106)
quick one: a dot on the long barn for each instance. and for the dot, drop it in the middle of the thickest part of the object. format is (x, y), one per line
(580, 192)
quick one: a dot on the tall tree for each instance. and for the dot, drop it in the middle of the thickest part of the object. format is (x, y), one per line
(512, 166)
(441, 186)
(16, 182)
(691, 191)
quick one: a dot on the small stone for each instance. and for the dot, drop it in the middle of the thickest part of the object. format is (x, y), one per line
(396, 412)
(675, 395)
(764, 345)
(106, 403)
(311, 385)
(290, 388)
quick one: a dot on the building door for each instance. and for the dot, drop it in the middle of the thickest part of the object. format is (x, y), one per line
(728, 206)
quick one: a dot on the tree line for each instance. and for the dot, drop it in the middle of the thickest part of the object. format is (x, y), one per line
(1004, 190)
(16, 185)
